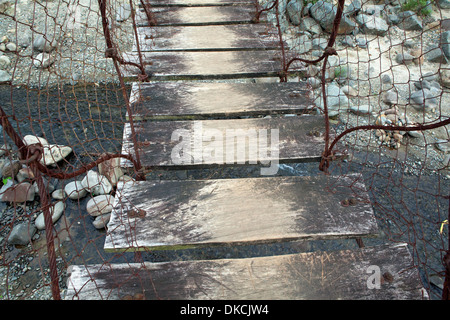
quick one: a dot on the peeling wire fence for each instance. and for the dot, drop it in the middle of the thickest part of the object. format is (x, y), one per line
(378, 72)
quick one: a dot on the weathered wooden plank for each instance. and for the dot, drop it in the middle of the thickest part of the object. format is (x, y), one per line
(215, 37)
(193, 100)
(193, 3)
(339, 275)
(190, 213)
(206, 65)
(198, 16)
(203, 143)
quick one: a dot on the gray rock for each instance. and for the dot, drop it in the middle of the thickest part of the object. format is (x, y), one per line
(336, 98)
(444, 4)
(361, 42)
(58, 194)
(54, 153)
(348, 41)
(101, 222)
(404, 58)
(372, 24)
(310, 25)
(390, 97)
(408, 20)
(11, 168)
(19, 193)
(44, 43)
(96, 183)
(319, 43)
(43, 60)
(4, 76)
(361, 110)
(75, 190)
(353, 8)
(324, 13)
(4, 62)
(436, 55)
(392, 19)
(442, 145)
(445, 43)
(56, 210)
(99, 205)
(386, 78)
(294, 11)
(22, 234)
(313, 82)
(423, 100)
(123, 13)
(11, 46)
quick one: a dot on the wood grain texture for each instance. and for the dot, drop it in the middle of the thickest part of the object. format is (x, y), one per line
(203, 143)
(196, 100)
(237, 211)
(339, 275)
(210, 37)
(206, 65)
(193, 3)
(198, 16)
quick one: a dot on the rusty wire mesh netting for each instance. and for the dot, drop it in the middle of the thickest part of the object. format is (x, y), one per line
(386, 65)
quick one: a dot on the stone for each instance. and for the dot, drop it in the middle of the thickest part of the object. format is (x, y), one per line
(336, 98)
(442, 145)
(423, 100)
(44, 43)
(11, 168)
(22, 234)
(310, 25)
(404, 58)
(43, 60)
(25, 174)
(348, 41)
(99, 205)
(19, 193)
(123, 13)
(111, 170)
(436, 55)
(294, 11)
(56, 210)
(445, 43)
(408, 20)
(386, 79)
(444, 4)
(362, 110)
(5, 76)
(313, 82)
(390, 97)
(361, 42)
(11, 46)
(53, 154)
(349, 91)
(30, 139)
(324, 13)
(4, 62)
(96, 183)
(75, 190)
(101, 222)
(372, 24)
(353, 8)
(49, 186)
(58, 194)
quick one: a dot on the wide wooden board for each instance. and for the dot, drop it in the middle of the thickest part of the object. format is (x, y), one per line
(198, 16)
(339, 275)
(193, 3)
(202, 38)
(203, 143)
(189, 213)
(206, 65)
(194, 100)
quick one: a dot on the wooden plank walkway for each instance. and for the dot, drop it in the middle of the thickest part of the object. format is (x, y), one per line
(340, 275)
(180, 65)
(194, 3)
(207, 38)
(186, 214)
(198, 16)
(189, 144)
(197, 100)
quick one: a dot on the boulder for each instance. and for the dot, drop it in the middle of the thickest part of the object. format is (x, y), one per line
(372, 24)
(408, 20)
(294, 11)
(324, 13)
(22, 234)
